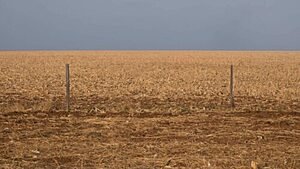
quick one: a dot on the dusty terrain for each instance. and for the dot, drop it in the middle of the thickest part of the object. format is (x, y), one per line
(149, 109)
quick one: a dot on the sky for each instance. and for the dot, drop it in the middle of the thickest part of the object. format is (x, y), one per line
(149, 25)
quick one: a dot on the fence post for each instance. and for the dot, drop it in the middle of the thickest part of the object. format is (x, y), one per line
(231, 87)
(68, 87)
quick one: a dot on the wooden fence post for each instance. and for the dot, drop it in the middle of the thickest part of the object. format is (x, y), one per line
(231, 87)
(68, 87)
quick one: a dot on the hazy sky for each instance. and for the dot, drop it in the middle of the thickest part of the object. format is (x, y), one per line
(150, 24)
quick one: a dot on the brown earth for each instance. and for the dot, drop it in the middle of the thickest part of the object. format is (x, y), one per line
(150, 140)
(149, 110)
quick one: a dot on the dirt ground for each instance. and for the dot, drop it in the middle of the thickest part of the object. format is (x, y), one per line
(149, 110)
(150, 140)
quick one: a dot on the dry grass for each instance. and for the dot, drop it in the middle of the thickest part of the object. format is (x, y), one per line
(149, 110)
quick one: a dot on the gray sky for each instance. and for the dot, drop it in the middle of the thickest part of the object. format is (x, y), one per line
(150, 24)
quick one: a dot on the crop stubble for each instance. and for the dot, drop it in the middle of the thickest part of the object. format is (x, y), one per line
(149, 109)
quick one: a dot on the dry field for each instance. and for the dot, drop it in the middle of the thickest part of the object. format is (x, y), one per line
(149, 109)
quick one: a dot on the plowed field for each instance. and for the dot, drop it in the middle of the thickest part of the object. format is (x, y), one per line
(149, 109)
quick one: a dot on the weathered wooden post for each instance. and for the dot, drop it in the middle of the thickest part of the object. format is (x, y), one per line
(68, 87)
(231, 87)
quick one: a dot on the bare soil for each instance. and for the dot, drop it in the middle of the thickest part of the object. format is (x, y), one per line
(150, 140)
